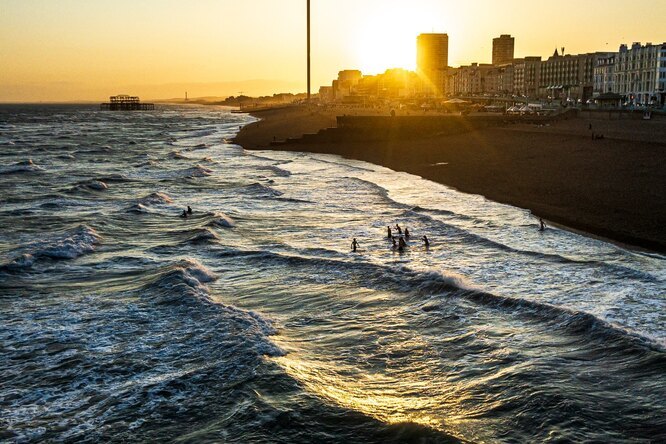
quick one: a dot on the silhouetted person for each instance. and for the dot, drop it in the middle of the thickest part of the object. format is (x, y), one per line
(426, 242)
(354, 245)
(389, 235)
(397, 227)
(394, 244)
(184, 214)
(542, 225)
(406, 232)
(402, 243)
(189, 210)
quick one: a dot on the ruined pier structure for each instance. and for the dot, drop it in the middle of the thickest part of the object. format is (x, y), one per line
(124, 102)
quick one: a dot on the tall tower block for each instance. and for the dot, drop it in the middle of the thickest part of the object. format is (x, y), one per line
(432, 61)
(503, 49)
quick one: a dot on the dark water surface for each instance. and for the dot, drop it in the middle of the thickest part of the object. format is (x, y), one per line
(250, 321)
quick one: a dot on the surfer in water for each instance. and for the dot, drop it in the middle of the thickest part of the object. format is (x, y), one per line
(189, 210)
(389, 234)
(426, 242)
(542, 225)
(354, 245)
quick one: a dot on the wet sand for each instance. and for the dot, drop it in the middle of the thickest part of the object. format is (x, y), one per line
(612, 188)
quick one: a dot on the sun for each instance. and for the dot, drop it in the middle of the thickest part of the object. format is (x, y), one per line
(387, 40)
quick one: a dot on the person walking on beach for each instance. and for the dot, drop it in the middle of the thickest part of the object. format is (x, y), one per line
(542, 225)
(354, 245)
(389, 234)
(426, 242)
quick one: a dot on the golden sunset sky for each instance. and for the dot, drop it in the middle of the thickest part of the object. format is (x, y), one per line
(69, 50)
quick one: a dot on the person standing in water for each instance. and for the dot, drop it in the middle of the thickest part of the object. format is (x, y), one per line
(389, 234)
(397, 227)
(542, 225)
(426, 242)
(189, 210)
(406, 232)
(402, 243)
(354, 245)
(394, 244)
(184, 214)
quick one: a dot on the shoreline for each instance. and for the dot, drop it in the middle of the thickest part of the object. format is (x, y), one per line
(557, 172)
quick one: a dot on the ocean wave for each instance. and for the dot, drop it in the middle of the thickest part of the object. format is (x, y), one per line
(113, 178)
(477, 239)
(95, 185)
(427, 284)
(184, 283)
(258, 190)
(222, 220)
(202, 235)
(68, 245)
(197, 171)
(156, 198)
(275, 170)
(26, 166)
(177, 155)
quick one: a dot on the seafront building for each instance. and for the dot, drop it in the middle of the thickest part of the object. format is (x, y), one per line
(503, 49)
(432, 62)
(640, 73)
(604, 75)
(566, 76)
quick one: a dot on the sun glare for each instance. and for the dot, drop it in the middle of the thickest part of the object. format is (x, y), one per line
(387, 40)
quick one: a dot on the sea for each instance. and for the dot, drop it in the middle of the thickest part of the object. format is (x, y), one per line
(252, 321)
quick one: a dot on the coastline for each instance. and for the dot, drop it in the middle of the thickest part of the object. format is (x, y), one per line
(610, 188)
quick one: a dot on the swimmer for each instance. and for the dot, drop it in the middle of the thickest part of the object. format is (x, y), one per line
(184, 214)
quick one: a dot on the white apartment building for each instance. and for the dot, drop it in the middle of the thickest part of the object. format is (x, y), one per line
(640, 73)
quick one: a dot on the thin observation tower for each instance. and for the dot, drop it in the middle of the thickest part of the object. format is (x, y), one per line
(308, 31)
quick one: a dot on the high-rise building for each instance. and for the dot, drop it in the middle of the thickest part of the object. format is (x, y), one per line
(432, 61)
(503, 49)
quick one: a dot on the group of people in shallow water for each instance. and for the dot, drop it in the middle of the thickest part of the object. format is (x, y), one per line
(401, 242)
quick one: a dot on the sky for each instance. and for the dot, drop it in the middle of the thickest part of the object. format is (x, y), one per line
(72, 50)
